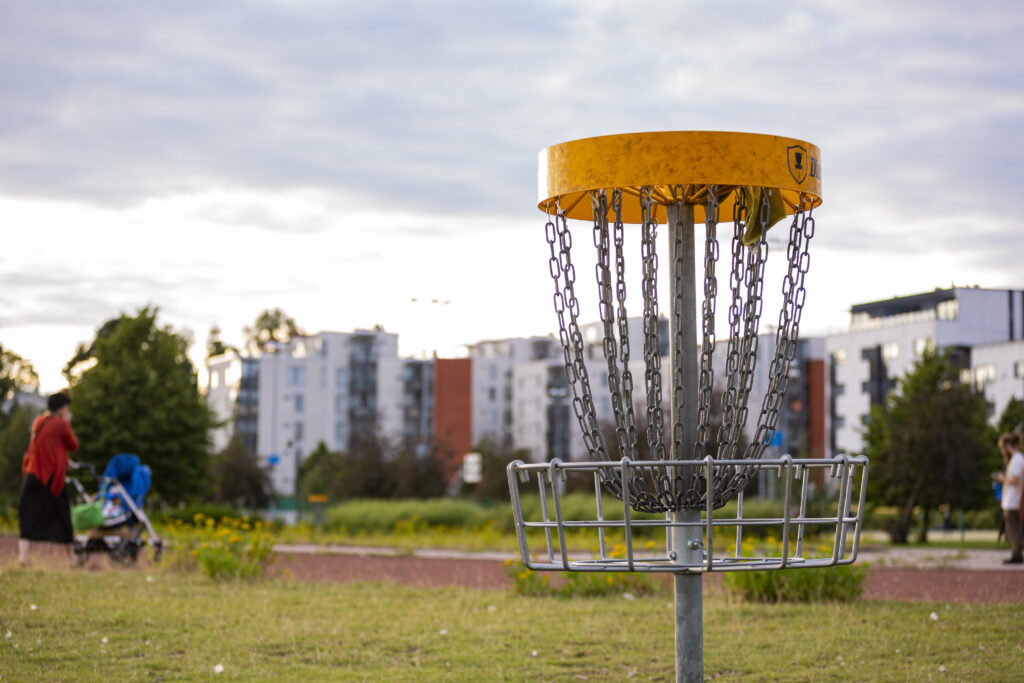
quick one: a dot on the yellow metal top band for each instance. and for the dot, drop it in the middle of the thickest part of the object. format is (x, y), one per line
(677, 163)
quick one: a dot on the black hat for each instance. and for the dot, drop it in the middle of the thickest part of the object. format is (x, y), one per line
(57, 401)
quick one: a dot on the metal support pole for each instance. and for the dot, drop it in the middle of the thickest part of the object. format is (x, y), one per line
(687, 542)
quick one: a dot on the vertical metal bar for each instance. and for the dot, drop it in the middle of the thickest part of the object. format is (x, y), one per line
(686, 540)
(517, 511)
(787, 513)
(626, 517)
(544, 513)
(600, 515)
(804, 473)
(555, 492)
(739, 527)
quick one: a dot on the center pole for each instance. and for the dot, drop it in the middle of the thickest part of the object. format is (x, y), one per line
(687, 541)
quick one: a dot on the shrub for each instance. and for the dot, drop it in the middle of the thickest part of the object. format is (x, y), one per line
(382, 516)
(230, 549)
(841, 583)
(582, 584)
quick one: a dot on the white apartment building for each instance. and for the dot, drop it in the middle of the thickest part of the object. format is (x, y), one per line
(998, 371)
(330, 387)
(493, 382)
(886, 337)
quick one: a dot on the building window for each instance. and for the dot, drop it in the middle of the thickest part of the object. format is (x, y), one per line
(839, 356)
(296, 376)
(891, 350)
(339, 404)
(983, 374)
(947, 310)
(838, 422)
(340, 377)
(492, 394)
(922, 344)
(300, 403)
(1018, 369)
(300, 431)
(340, 434)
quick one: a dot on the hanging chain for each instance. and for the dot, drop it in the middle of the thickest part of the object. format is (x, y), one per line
(563, 273)
(652, 350)
(607, 312)
(655, 489)
(620, 295)
(707, 349)
(801, 230)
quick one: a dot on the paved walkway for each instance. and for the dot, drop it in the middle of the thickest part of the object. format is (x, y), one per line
(877, 556)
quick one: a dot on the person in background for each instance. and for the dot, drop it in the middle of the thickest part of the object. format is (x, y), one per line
(1013, 486)
(44, 510)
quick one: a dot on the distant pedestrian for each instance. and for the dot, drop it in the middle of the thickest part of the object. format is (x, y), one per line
(1013, 488)
(44, 511)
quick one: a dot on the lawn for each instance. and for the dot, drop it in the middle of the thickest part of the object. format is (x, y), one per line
(64, 625)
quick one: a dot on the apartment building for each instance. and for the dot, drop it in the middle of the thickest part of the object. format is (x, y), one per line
(333, 387)
(493, 382)
(980, 327)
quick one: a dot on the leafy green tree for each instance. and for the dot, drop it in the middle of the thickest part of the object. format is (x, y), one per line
(140, 395)
(415, 475)
(14, 436)
(237, 478)
(16, 374)
(322, 472)
(1012, 417)
(494, 459)
(215, 346)
(930, 444)
(270, 326)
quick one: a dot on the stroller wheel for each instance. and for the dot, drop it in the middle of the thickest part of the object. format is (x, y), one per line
(126, 552)
(81, 554)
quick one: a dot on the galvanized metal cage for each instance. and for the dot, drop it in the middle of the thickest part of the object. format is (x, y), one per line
(815, 526)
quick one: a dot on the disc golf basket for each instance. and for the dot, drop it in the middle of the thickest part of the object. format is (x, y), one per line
(693, 467)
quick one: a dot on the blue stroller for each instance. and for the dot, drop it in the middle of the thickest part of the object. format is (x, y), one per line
(114, 518)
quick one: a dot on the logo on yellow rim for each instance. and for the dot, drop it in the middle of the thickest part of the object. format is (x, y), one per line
(798, 162)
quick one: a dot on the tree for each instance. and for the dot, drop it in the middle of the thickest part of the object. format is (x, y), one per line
(214, 345)
(270, 326)
(929, 444)
(236, 477)
(1012, 418)
(14, 436)
(16, 374)
(494, 459)
(141, 396)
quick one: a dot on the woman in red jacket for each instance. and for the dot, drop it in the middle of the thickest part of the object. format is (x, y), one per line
(44, 511)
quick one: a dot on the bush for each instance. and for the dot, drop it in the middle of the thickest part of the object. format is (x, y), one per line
(193, 511)
(230, 549)
(841, 583)
(382, 516)
(527, 582)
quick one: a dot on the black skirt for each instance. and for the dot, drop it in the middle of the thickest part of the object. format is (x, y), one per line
(41, 516)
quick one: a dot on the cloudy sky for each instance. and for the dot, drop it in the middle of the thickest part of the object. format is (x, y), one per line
(340, 160)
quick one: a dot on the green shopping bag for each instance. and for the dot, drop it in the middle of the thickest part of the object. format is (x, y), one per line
(87, 516)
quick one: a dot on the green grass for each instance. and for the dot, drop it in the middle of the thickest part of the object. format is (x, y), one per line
(136, 625)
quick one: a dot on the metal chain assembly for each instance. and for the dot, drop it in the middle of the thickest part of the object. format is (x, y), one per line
(654, 488)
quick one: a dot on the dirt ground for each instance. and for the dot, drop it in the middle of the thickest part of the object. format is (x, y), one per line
(884, 583)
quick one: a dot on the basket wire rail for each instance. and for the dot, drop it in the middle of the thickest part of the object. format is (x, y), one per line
(801, 525)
